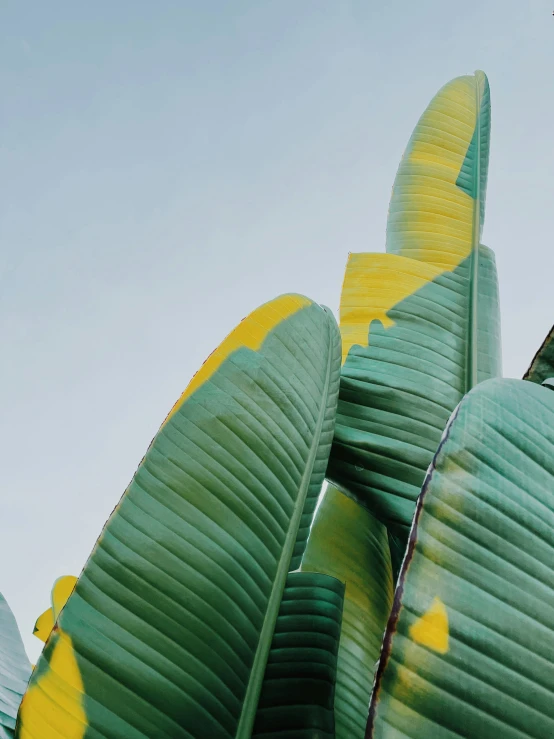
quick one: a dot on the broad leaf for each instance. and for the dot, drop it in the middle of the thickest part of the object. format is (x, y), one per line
(347, 542)
(169, 627)
(297, 696)
(469, 649)
(420, 325)
(15, 670)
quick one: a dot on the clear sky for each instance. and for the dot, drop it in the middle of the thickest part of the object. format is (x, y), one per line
(167, 166)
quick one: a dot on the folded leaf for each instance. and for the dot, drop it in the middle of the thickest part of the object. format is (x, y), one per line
(420, 325)
(542, 366)
(15, 670)
(347, 542)
(296, 701)
(169, 627)
(469, 649)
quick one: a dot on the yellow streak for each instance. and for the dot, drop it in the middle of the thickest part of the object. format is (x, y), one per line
(250, 333)
(52, 707)
(431, 630)
(373, 284)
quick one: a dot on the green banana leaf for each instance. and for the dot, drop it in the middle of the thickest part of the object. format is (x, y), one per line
(469, 649)
(296, 701)
(420, 325)
(347, 542)
(168, 630)
(542, 366)
(15, 670)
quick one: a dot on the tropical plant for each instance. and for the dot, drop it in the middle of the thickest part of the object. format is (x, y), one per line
(226, 597)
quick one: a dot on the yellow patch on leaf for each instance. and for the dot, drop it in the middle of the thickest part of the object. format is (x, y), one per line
(52, 707)
(431, 218)
(431, 630)
(250, 333)
(373, 284)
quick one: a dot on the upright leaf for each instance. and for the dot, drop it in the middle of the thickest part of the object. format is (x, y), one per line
(469, 649)
(437, 208)
(169, 627)
(347, 542)
(298, 691)
(15, 670)
(420, 325)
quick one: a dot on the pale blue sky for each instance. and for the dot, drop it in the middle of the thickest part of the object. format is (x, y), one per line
(168, 166)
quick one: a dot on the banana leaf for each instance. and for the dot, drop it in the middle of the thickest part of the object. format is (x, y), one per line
(469, 649)
(542, 366)
(420, 325)
(347, 542)
(297, 696)
(168, 630)
(15, 670)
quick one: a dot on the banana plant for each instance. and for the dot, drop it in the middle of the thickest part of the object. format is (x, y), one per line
(233, 593)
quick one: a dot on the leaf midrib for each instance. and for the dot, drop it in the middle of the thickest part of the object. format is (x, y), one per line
(473, 316)
(251, 698)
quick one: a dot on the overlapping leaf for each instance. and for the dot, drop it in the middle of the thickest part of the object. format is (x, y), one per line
(298, 691)
(347, 542)
(470, 644)
(168, 630)
(420, 324)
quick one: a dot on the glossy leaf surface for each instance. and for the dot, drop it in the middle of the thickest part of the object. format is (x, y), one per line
(470, 644)
(168, 630)
(15, 670)
(400, 386)
(347, 542)
(297, 696)
(437, 208)
(420, 325)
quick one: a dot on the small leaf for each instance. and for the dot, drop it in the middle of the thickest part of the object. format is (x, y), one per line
(44, 625)
(542, 366)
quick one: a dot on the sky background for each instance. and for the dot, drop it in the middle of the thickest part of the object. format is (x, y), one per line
(168, 166)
